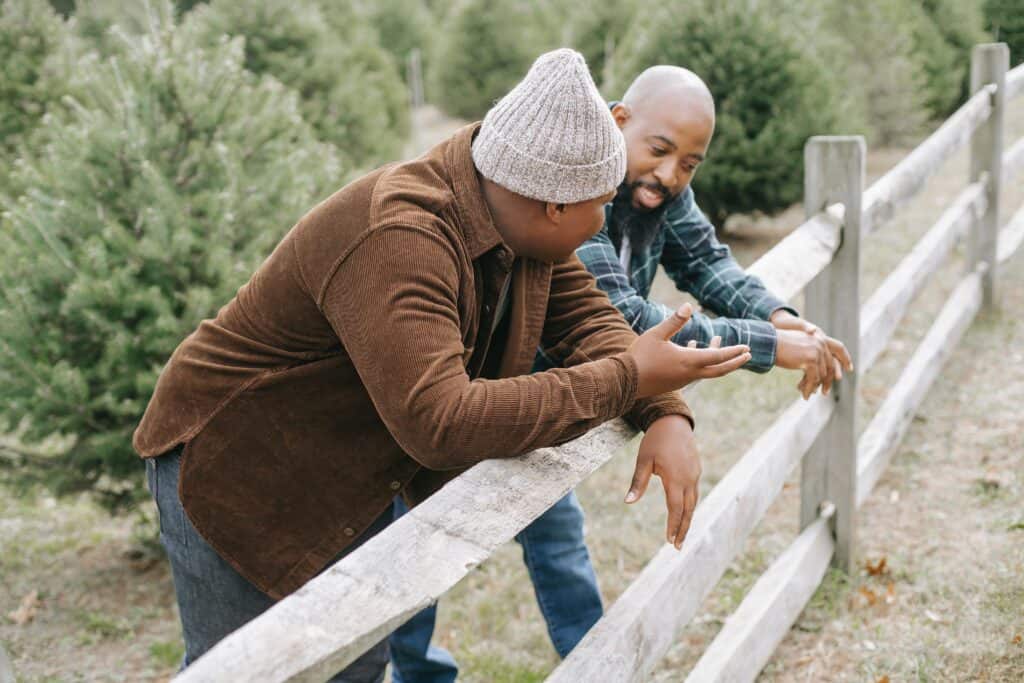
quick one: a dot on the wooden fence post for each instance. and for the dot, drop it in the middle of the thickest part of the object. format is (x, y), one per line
(989, 64)
(834, 172)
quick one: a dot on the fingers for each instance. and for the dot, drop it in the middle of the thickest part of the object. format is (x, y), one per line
(716, 343)
(838, 349)
(689, 505)
(710, 356)
(668, 327)
(641, 477)
(675, 501)
(804, 386)
(838, 368)
(825, 369)
(725, 367)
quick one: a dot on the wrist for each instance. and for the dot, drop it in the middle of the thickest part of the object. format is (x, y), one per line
(780, 316)
(672, 422)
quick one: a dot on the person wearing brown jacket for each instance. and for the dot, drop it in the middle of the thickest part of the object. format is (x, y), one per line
(385, 346)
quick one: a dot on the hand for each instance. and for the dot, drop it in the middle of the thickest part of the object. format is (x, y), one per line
(821, 360)
(663, 366)
(669, 450)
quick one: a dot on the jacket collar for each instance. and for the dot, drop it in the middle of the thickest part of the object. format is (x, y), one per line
(476, 223)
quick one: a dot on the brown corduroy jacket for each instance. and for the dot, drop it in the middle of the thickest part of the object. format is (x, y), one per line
(349, 367)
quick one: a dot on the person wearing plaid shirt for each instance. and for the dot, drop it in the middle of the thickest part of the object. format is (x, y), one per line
(686, 246)
(667, 117)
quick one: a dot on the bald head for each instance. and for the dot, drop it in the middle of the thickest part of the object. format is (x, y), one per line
(667, 117)
(673, 86)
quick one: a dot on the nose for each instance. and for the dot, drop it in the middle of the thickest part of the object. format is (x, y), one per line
(666, 175)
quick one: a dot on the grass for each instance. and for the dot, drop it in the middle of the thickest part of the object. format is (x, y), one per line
(167, 654)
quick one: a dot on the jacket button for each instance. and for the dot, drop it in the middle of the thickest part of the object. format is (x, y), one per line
(395, 485)
(349, 531)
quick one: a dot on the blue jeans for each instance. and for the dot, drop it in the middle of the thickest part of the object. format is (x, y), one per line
(563, 581)
(213, 598)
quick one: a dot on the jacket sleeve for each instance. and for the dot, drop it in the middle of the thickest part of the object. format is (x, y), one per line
(701, 265)
(394, 304)
(582, 326)
(598, 254)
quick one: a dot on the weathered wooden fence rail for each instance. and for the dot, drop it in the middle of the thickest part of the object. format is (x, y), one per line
(337, 616)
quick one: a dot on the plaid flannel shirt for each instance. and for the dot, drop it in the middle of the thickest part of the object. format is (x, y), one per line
(699, 264)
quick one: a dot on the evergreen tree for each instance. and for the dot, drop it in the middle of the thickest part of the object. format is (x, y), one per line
(1004, 19)
(597, 32)
(884, 67)
(403, 26)
(961, 25)
(32, 72)
(489, 46)
(164, 183)
(350, 88)
(769, 96)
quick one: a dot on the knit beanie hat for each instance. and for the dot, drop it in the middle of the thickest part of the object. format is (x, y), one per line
(552, 138)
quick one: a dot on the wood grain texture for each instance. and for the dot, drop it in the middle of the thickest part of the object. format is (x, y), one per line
(750, 635)
(906, 179)
(642, 624)
(834, 168)
(881, 314)
(1015, 82)
(883, 434)
(989, 64)
(1011, 236)
(1013, 161)
(801, 256)
(341, 613)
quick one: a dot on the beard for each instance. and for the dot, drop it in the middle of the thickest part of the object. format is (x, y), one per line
(640, 224)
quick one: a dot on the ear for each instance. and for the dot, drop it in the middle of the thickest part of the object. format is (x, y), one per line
(621, 113)
(555, 212)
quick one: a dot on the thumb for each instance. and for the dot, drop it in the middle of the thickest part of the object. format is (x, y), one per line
(641, 477)
(668, 327)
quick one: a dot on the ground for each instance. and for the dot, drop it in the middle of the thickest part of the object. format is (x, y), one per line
(940, 595)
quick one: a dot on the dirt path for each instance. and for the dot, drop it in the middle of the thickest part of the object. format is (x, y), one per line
(946, 517)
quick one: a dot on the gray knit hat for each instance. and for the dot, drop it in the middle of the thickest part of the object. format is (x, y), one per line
(552, 138)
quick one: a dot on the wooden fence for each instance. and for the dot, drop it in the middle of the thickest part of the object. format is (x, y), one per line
(337, 616)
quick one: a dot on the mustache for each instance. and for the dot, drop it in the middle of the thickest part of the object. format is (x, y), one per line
(653, 187)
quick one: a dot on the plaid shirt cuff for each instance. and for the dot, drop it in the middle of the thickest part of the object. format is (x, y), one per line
(769, 304)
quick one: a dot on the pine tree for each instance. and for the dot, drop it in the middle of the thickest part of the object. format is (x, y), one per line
(489, 46)
(32, 74)
(350, 88)
(1004, 19)
(961, 26)
(168, 178)
(597, 33)
(769, 96)
(402, 25)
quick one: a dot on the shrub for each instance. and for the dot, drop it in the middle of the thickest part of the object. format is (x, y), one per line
(769, 97)
(350, 88)
(489, 47)
(885, 71)
(962, 27)
(1004, 19)
(402, 26)
(32, 77)
(597, 33)
(168, 178)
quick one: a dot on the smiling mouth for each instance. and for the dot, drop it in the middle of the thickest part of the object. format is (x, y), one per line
(647, 198)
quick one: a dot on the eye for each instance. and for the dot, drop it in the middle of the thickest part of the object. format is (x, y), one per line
(658, 151)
